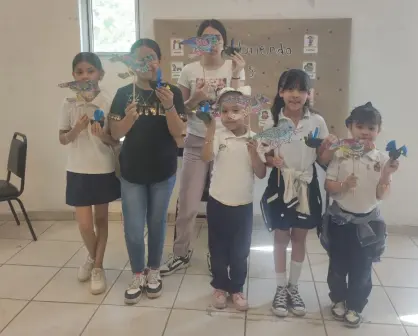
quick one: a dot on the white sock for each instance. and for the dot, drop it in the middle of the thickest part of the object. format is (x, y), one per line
(281, 279)
(295, 271)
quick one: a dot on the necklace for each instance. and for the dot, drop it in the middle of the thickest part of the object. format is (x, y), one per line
(144, 102)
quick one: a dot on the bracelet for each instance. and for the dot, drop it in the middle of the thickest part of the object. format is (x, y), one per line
(236, 78)
(170, 108)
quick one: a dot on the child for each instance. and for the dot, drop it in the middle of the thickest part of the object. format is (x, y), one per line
(291, 209)
(230, 203)
(91, 179)
(353, 232)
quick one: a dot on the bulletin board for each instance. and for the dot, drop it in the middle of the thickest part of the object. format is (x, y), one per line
(319, 46)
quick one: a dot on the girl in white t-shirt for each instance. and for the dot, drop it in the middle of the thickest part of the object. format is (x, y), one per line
(291, 203)
(91, 179)
(199, 82)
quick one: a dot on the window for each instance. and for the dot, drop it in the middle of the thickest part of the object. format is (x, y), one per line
(109, 26)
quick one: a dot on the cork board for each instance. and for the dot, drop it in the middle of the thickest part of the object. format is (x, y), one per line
(319, 46)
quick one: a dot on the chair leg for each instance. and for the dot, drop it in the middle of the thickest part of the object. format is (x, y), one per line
(12, 209)
(27, 219)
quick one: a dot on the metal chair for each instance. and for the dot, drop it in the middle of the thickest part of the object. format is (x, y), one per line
(16, 165)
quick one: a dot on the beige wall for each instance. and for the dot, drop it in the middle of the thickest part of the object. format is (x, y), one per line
(37, 48)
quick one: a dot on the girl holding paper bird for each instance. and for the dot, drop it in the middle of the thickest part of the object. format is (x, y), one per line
(91, 179)
(199, 82)
(150, 122)
(353, 231)
(292, 203)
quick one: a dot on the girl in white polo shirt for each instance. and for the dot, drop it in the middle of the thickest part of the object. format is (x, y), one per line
(354, 232)
(291, 203)
(230, 203)
(91, 179)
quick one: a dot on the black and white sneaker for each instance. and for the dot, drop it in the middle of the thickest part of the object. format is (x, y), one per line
(279, 306)
(338, 311)
(135, 289)
(174, 264)
(296, 304)
(352, 319)
(209, 264)
(154, 285)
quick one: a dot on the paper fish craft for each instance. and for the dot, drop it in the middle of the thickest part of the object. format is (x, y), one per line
(395, 153)
(312, 140)
(81, 86)
(99, 117)
(275, 136)
(255, 103)
(141, 65)
(201, 45)
(232, 49)
(349, 147)
(158, 83)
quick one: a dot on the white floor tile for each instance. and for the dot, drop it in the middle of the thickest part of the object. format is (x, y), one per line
(199, 264)
(378, 310)
(23, 282)
(192, 323)
(405, 301)
(400, 247)
(274, 326)
(261, 293)
(46, 318)
(171, 287)
(9, 309)
(412, 331)
(116, 257)
(11, 230)
(63, 231)
(9, 247)
(127, 321)
(337, 329)
(46, 253)
(397, 272)
(65, 287)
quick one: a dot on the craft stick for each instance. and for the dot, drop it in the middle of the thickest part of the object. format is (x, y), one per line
(133, 89)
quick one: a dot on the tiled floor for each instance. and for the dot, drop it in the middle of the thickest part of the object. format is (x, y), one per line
(39, 293)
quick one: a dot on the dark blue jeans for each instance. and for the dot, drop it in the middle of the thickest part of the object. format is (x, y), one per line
(145, 203)
(229, 231)
(347, 258)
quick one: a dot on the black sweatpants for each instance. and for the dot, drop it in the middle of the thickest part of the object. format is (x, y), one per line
(229, 229)
(348, 258)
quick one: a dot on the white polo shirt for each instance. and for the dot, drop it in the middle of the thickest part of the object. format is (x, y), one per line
(87, 154)
(296, 154)
(232, 181)
(368, 170)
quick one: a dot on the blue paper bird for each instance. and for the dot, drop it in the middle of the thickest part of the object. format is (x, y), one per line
(98, 116)
(204, 113)
(394, 152)
(312, 139)
(159, 77)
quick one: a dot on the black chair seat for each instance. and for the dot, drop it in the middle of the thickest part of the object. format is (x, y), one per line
(8, 190)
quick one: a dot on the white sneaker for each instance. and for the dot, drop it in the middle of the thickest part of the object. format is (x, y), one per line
(135, 289)
(97, 281)
(154, 285)
(84, 272)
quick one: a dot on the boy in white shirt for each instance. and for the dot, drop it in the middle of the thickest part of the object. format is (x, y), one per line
(353, 231)
(230, 203)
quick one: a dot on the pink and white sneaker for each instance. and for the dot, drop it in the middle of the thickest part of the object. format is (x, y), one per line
(219, 299)
(240, 301)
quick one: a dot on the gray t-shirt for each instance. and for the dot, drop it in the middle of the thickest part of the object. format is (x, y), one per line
(192, 74)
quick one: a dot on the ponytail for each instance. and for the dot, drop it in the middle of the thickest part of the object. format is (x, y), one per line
(278, 104)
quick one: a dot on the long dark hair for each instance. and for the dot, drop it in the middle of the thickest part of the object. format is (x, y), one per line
(289, 80)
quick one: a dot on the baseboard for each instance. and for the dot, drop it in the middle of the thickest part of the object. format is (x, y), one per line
(117, 217)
